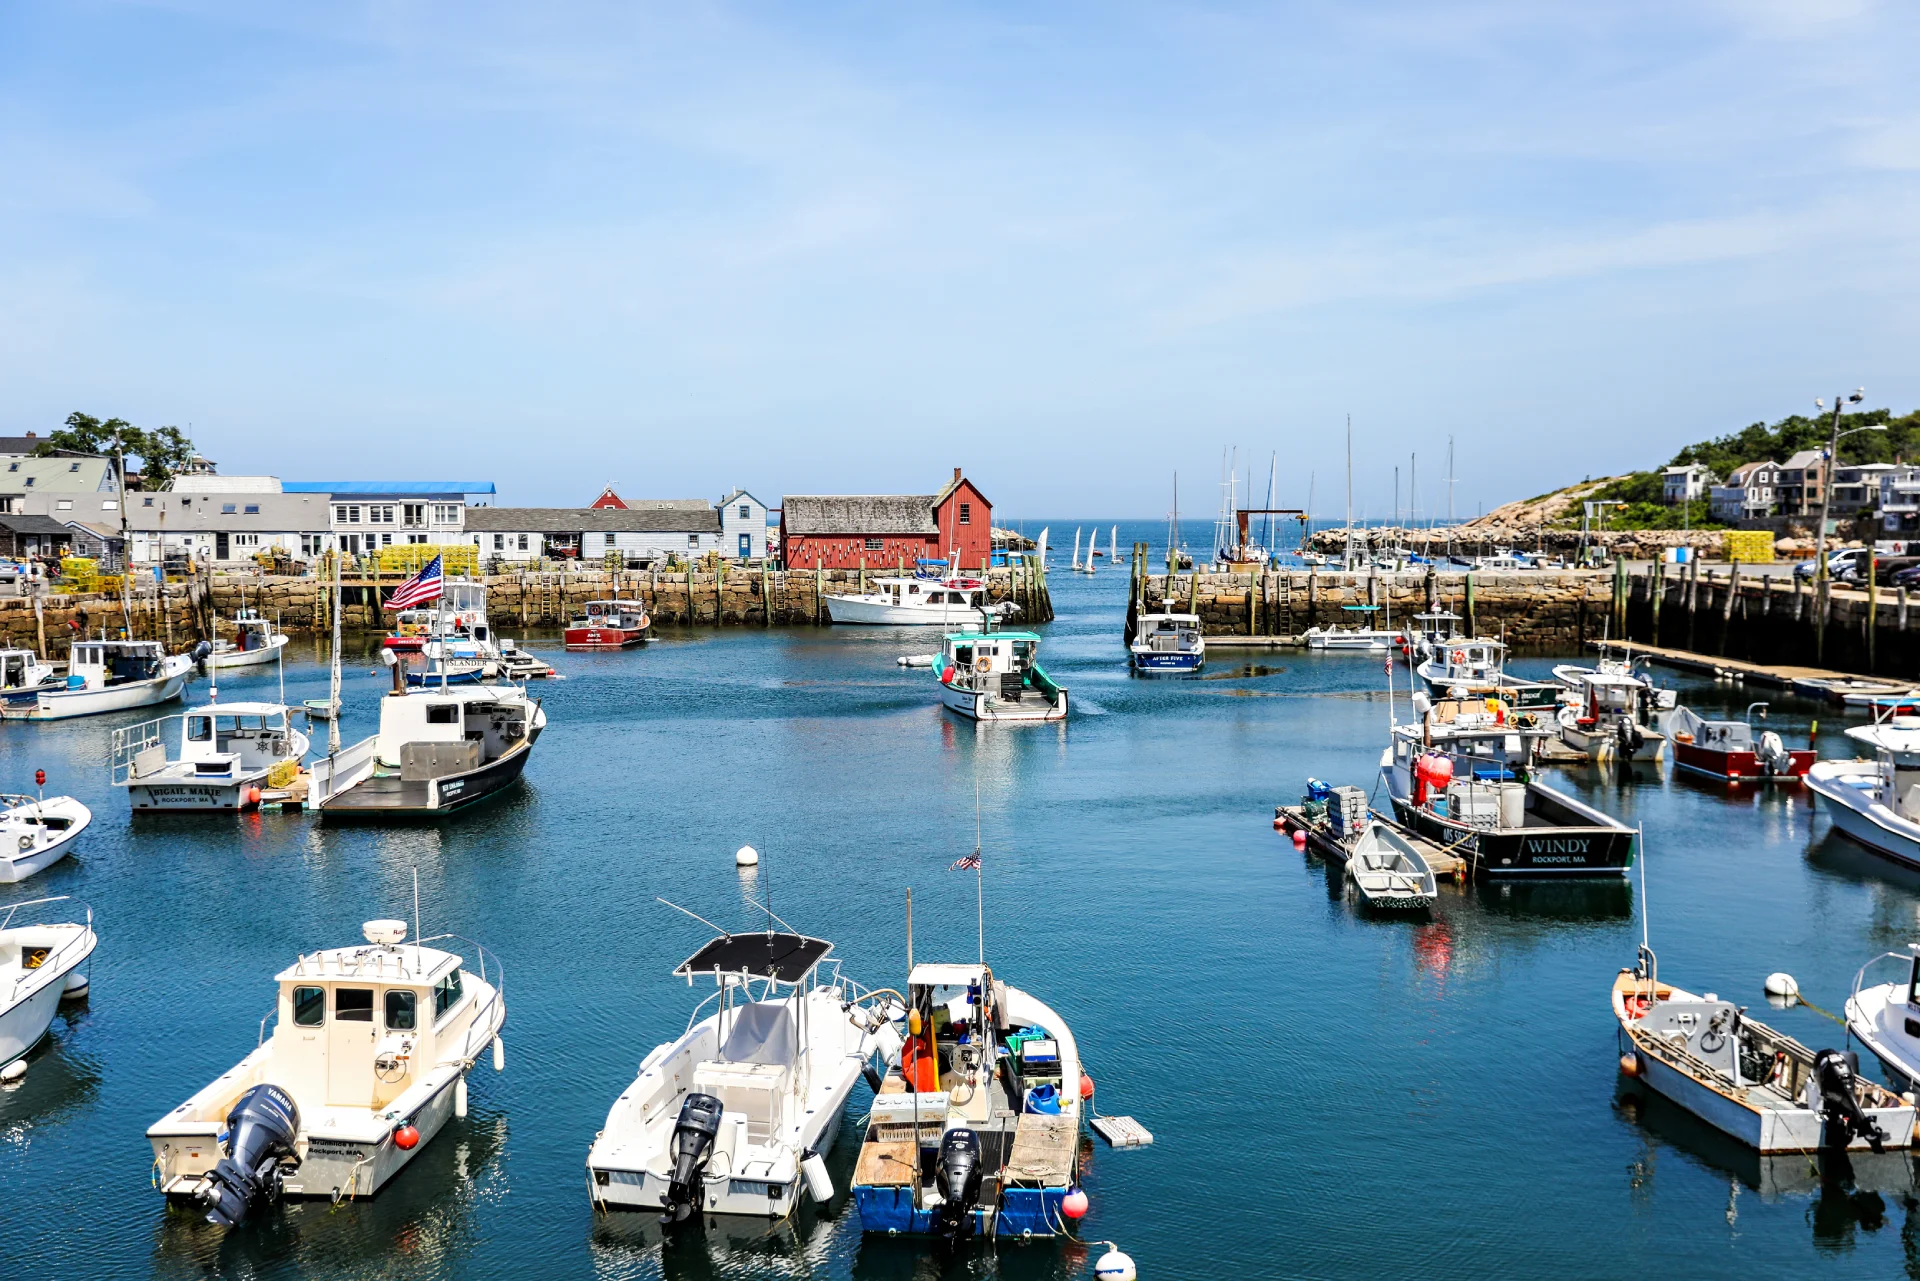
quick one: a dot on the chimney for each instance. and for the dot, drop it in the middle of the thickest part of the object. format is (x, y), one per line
(29, 435)
(956, 471)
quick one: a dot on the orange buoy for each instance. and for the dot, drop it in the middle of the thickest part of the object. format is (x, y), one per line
(1299, 840)
(1086, 1086)
(253, 796)
(406, 1138)
(1630, 1063)
(1074, 1204)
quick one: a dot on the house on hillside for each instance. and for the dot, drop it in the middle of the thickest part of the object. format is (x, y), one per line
(1856, 488)
(743, 526)
(23, 478)
(841, 531)
(1802, 483)
(1749, 493)
(1684, 484)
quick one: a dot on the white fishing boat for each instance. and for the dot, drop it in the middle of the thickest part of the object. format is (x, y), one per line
(1614, 718)
(1476, 668)
(23, 676)
(1877, 801)
(1362, 636)
(368, 1059)
(1387, 872)
(1168, 643)
(39, 964)
(37, 832)
(226, 755)
(1885, 1017)
(438, 750)
(918, 602)
(256, 642)
(1432, 632)
(735, 1116)
(109, 676)
(996, 676)
(1742, 1077)
(974, 1131)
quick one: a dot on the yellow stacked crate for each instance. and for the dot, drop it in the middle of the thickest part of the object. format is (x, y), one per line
(1754, 546)
(411, 558)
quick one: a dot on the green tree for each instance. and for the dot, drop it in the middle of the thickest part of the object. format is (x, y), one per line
(161, 452)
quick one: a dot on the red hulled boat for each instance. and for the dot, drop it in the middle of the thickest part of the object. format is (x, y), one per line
(609, 624)
(1730, 751)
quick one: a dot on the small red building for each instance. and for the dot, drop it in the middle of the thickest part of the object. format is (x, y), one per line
(608, 499)
(840, 531)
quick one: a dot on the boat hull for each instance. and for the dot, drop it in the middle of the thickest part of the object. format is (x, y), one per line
(247, 657)
(1544, 851)
(1605, 744)
(872, 613)
(60, 705)
(24, 1023)
(1858, 815)
(389, 798)
(983, 706)
(1147, 660)
(1739, 767)
(604, 637)
(183, 797)
(18, 863)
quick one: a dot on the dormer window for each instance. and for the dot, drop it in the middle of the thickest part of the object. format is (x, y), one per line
(253, 509)
(30, 481)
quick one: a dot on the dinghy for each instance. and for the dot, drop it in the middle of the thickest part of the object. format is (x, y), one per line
(38, 964)
(1387, 872)
(256, 641)
(736, 1115)
(367, 1060)
(1740, 1076)
(36, 832)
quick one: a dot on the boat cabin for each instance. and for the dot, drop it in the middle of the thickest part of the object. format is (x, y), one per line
(104, 663)
(626, 615)
(975, 660)
(967, 593)
(1168, 633)
(217, 742)
(432, 731)
(1604, 695)
(253, 631)
(1467, 662)
(21, 669)
(1896, 748)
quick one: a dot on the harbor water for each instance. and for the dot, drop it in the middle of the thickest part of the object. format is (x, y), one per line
(1330, 1095)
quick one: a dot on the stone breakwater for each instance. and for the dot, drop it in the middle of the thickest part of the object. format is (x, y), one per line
(1553, 608)
(729, 597)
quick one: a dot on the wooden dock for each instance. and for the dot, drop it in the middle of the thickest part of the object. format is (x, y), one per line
(1291, 818)
(1809, 682)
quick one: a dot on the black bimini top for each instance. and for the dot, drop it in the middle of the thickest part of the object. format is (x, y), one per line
(784, 958)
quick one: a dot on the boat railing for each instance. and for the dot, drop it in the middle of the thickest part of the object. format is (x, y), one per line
(14, 800)
(499, 995)
(129, 741)
(6, 922)
(1905, 958)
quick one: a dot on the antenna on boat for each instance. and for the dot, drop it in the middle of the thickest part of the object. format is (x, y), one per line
(416, 918)
(979, 876)
(909, 929)
(696, 916)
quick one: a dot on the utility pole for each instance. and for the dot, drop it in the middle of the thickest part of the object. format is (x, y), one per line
(1825, 589)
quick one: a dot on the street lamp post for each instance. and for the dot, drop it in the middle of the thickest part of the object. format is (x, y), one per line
(1826, 505)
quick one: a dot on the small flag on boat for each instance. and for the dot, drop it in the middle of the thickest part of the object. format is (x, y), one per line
(970, 863)
(423, 586)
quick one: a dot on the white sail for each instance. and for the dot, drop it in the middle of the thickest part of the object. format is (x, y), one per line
(1076, 547)
(1041, 550)
(1113, 546)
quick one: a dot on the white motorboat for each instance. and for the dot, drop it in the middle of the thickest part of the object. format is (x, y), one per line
(23, 675)
(109, 676)
(996, 676)
(918, 602)
(1362, 637)
(37, 832)
(1168, 643)
(1885, 1017)
(1877, 802)
(1742, 1077)
(367, 1060)
(438, 750)
(1432, 632)
(975, 1129)
(1387, 872)
(1613, 719)
(227, 754)
(735, 1116)
(38, 964)
(256, 641)
(1477, 668)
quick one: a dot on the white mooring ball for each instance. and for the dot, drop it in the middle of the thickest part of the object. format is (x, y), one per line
(1113, 1266)
(746, 856)
(1779, 984)
(13, 1071)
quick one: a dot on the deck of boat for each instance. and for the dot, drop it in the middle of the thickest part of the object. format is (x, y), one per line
(1321, 840)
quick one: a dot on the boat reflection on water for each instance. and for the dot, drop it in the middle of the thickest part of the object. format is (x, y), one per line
(1579, 899)
(420, 1225)
(1848, 1192)
(60, 1082)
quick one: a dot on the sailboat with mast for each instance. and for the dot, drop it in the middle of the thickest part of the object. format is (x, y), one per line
(1084, 566)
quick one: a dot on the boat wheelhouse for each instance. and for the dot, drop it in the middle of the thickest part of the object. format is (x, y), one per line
(23, 676)
(438, 750)
(975, 1129)
(227, 755)
(996, 676)
(734, 1116)
(1431, 632)
(367, 1060)
(918, 602)
(1476, 668)
(1168, 643)
(256, 641)
(609, 624)
(109, 676)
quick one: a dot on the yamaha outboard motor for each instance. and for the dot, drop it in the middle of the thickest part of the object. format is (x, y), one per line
(693, 1136)
(1835, 1074)
(1631, 739)
(259, 1141)
(957, 1174)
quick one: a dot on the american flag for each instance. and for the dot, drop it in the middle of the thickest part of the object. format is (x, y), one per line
(970, 863)
(423, 586)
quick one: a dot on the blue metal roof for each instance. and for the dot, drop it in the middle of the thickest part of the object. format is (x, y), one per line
(387, 487)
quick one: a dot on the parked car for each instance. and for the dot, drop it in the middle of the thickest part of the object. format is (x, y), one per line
(1906, 577)
(1844, 565)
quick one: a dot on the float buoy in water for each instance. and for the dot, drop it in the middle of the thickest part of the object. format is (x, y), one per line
(1074, 1204)
(406, 1138)
(1086, 1086)
(1113, 1265)
(1299, 840)
(746, 856)
(1630, 1063)
(13, 1071)
(1782, 984)
(75, 987)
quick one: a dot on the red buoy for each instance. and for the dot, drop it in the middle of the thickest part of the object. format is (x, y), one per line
(406, 1138)
(1074, 1204)
(1299, 840)
(39, 778)
(1086, 1086)
(253, 796)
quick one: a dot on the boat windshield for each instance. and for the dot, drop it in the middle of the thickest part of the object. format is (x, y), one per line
(762, 1032)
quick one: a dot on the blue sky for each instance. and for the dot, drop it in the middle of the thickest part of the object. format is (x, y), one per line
(843, 248)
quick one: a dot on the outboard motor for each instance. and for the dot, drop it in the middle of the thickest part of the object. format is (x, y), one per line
(1630, 737)
(1834, 1072)
(1773, 754)
(259, 1140)
(201, 651)
(957, 1174)
(693, 1136)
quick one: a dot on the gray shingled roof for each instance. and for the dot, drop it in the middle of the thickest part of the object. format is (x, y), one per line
(859, 514)
(642, 516)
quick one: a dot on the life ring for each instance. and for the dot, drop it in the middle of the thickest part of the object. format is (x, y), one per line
(983, 664)
(1459, 656)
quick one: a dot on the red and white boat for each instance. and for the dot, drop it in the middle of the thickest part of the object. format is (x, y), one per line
(609, 624)
(1729, 750)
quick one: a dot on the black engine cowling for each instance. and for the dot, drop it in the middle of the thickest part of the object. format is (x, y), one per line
(693, 1136)
(1835, 1073)
(957, 1174)
(259, 1142)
